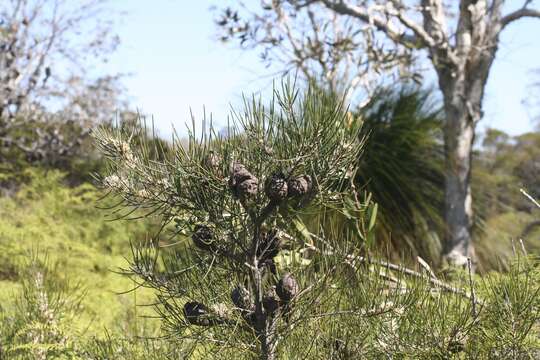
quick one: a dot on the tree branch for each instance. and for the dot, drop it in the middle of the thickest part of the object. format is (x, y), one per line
(518, 14)
(352, 260)
(434, 20)
(385, 26)
(283, 22)
(416, 28)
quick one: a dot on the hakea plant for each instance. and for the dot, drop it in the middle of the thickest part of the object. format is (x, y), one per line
(269, 249)
(236, 200)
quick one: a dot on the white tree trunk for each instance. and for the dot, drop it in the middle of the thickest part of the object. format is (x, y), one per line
(463, 90)
(458, 137)
(462, 56)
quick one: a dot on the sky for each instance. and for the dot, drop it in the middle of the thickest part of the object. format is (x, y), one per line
(176, 65)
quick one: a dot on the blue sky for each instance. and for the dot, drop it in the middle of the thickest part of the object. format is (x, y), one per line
(169, 48)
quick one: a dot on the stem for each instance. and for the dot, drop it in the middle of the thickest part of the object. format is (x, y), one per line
(352, 259)
(265, 213)
(265, 323)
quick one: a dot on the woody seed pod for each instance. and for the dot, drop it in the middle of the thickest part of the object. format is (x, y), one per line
(250, 317)
(300, 186)
(197, 313)
(271, 300)
(241, 298)
(248, 188)
(276, 187)
(203, 237)
(242, 183)
(456, 346)
(287, 288)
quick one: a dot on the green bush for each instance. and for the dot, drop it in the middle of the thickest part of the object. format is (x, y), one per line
(246, 278)
(47, 216)
(38, 325)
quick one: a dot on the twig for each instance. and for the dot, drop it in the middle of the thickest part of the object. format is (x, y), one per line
(530, 197)
(522, 247)
(433, 281)
(473, 295)
(359, 312)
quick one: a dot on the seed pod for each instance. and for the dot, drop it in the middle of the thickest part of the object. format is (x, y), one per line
(197, 313)
(271, 300)
(300, 186)
(456, 346)
(239, 174)
(287, 288)
(241, 298)
(242, 183)
(268, 265)
(203, 238)
(247, 189)
(250, 317)
(276, 187)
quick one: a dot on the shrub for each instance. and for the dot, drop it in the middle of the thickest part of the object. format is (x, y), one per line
(245, 277)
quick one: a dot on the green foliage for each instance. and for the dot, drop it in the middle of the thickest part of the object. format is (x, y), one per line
(412, 319)
(40, 321)
(39, 325)
(509, 325)
(135, 348)
(351, 304)
(47, 216)
(402, 167)
(215, 291)
(238, 197)
(502, 166)
(49, 142)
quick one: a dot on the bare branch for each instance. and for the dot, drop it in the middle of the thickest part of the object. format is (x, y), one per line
(518, 14)
(435, 21)
(35, 37)
(382, 25)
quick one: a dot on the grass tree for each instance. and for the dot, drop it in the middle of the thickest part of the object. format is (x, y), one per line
(402, 167)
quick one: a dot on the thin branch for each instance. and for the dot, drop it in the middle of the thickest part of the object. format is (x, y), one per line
(352, 259)
(385, 26)
(471, 284)
(518, 14)
(529, 197)
(406, 271)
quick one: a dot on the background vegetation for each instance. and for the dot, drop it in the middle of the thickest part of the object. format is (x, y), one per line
(66, 247)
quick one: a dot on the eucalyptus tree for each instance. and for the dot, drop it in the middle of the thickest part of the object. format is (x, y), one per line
(41, 48)
(325, 39)
(46, 50)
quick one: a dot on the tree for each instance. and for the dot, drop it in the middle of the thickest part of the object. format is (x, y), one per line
(44, 65)
(461, 55)
(324, 47)
(402, 167)
(40, 50)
